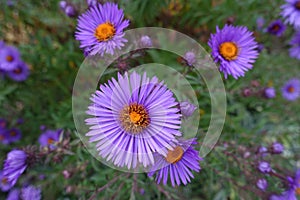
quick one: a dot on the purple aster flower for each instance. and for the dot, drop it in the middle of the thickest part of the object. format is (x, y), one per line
(91, 2)
(187, 109)
(19, 73)
(291, 11)
(3, 123)
(260, 22)
(264, 167)
(291, 90)
(14, 135)
(4, 136)
(277, 148)
(100, 29)
(62, 5)
(14, 165)
(262, 184)
(262, 150)
(133, 118)
(270, 93)
(276, 28)
(49, 138)
(5, 185)
(31, 193)
(2, 44)
(235, 49)
(14, 194)
(9, 58)
(145, 41)
(70, 10)
(178, 163)
(295, 43)
(190, 58)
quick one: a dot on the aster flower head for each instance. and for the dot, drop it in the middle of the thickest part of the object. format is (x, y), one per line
(31, 193)
(20, 72)
(291, 89)
(14, 165)
(14, 194)
(49, 138)
(62, 4)
(264, 167)
(145, 41)
(270, 93)
(133, 117)
(70, 10)
(262, 151)
(291, 12)
(14, 135)
(5, 185)
(276, 27)
(295, 43)
(262, 184)
(277, 148)
(4, 136)
(178, 164)
(235, 49)
(190, 58)
(100, 29)
(187, 109)
(9, 58)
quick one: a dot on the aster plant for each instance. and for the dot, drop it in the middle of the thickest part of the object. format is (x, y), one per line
(291, 12)
(291, 89)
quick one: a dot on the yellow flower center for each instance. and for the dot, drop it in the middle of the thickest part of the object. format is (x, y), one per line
(134, 118)
(297, 191)
(297, 5)
(9, 58)
(105, 31)
(175, 155)
(291, 89)
(228, 50)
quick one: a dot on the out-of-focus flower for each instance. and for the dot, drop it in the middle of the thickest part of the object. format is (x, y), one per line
(49, 137)
(70, 10)
(140, 113)
(291, 89)
(100, 29)
(62, 5)
(145, 41)
(291, 11)
(91, 2)
(247, 92)
(4, 136)
(235, 49)
(262, 151)
(14, 165)
(295, 43)
(260, 47)
(177, 164)
(14, 194)
(276, 27)
(31, 193)
(187, 109)
(9, 58)
(277, 148)
(262, 184)
(19, 73)
(260, 22)
(270, 92)
(3, 123)
(264, 167)
(190, 58)
(14, 135)
(5, 185)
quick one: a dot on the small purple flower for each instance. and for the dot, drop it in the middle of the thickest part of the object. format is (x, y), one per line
(142, 191)
(277, 148)
(3, 123)
(291, 89)
(91, 2)
(62, 5)
(31, 193)
(262, 184)
(295, 43)
(187, 109)
(49, 138)
(100, 29)
(190, 58)
(264, 167)
(260, 22)
(260, 47)
(5, 185)
(19, 73)
(70, 10)
(178, 164)
(276, 28)
(14, 165)
(14, 194)
(291, 11)
(262, 151)
(235, 49)
(9, 58)
(270, 93)
(4, 136)
(14, 135)
(145, 41)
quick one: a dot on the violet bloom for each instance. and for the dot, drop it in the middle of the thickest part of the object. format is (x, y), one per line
(295, 43)
(14, 135)
(91, 2)
(100, 29)
(9, 58)
(178, 164)
(291, 89)
(235, 49)
(270, 93)
(260, 22)
(4, 136)
(277, 148)
(62, 5)
(132, 118)
(14, 194)
(5, 185)
(262, 184)
(262, 151)
(31, 193)
(190, 58)
(49, 138)
(291, 12)
(145, 41)
(264, 167)
(187, 109)
(70, 10)
(276, 28)
(14, 165)
(19, 73)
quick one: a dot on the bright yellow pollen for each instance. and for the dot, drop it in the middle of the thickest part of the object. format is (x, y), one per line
(228, 50)
(175, 155)
(297, 191)
(135, 117)
(291, 89)
(9, 58)
(105, 31)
